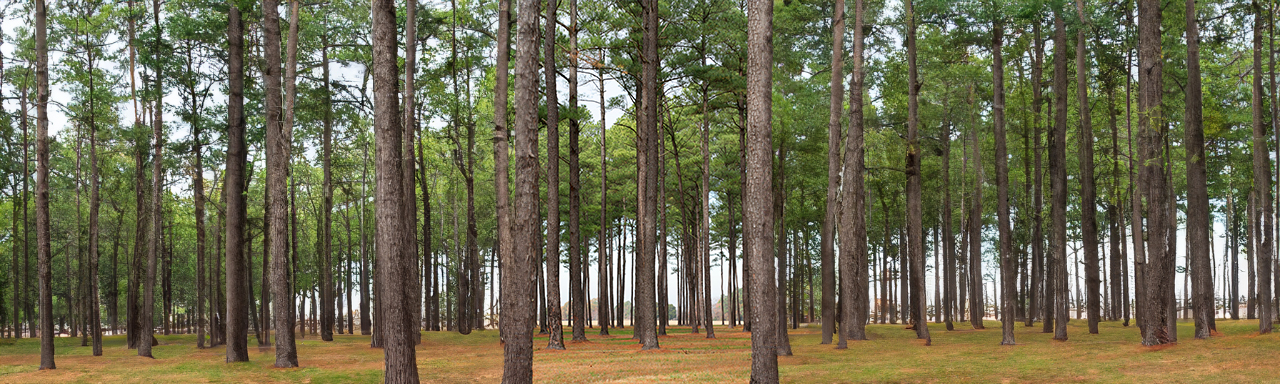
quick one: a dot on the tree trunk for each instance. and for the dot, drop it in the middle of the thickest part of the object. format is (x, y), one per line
(1233, 241)
(413, 300)
(948, 236)
(783, 342)
(1261, 182)
(366, 323)
(704, 227)
(1117, 280)
(647, 207)
(1056, 278)
(1250, 247)
(556, 339)
(1008, 267)
(134, 306)
(602, 243)
(977, 292)
(95, 203)
(1152, 131)
(44, 252)
(517, 299)
(464, 284)
(157, 181)
(915, 228)
(833, 173)
(394, 265)
(577, 290)
(1088, 193)
(757, 197)
(279, 143)
(234, 190)
(1036, 303)
(1198, 240)
(325, 258)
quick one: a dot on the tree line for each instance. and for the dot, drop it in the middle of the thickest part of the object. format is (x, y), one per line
(309, 168)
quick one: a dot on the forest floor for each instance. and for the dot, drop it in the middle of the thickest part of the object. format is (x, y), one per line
(893, 354)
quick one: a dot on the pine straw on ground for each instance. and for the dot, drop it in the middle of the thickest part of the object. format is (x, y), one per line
(892, 355)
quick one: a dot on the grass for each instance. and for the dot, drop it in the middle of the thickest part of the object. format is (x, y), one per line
(893, 354)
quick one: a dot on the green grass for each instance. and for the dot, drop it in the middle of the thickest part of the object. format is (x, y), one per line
(892, 355)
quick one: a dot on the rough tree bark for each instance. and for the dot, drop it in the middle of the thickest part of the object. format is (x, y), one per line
(464, 287)
(1008, 266)
(977, 296)
(43, 251)
(325, 257)
(413, 301)
(1198, 240)
(1056, 275)
(518, 266)
(393, 263)
(1152, 132)
(157, 181)
(278, 149)
(1036, 302)
(915, 227)
(602, 247)
(1088, 191)
(577, 290)
(556, 339)
(237, 319)
(501, 159)
(853, 234)
(95, 203)
(833, 173)
(1261, 181)
(758, 196)
(647, 208)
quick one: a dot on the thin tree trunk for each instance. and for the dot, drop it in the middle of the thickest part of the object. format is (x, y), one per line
(704, 227)
(833, 173)
(1056, 278)
(783, 342)
(1198, 240)
(95, 202)
(1088, 193)
(412, 272)
(1251, 312)
(133, 320)
(464, 271)
(43, 250)
(915, 230)
(556, 339)
(325, 258)
(948, 237)
(366, 323)
(577, 289)
(602, 243)
(1036, 303)
(1115, 218)
(1233, 241)
(1261, 182)
(157, 181)
(234, 192)
(1008, 269)
(977, 296)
